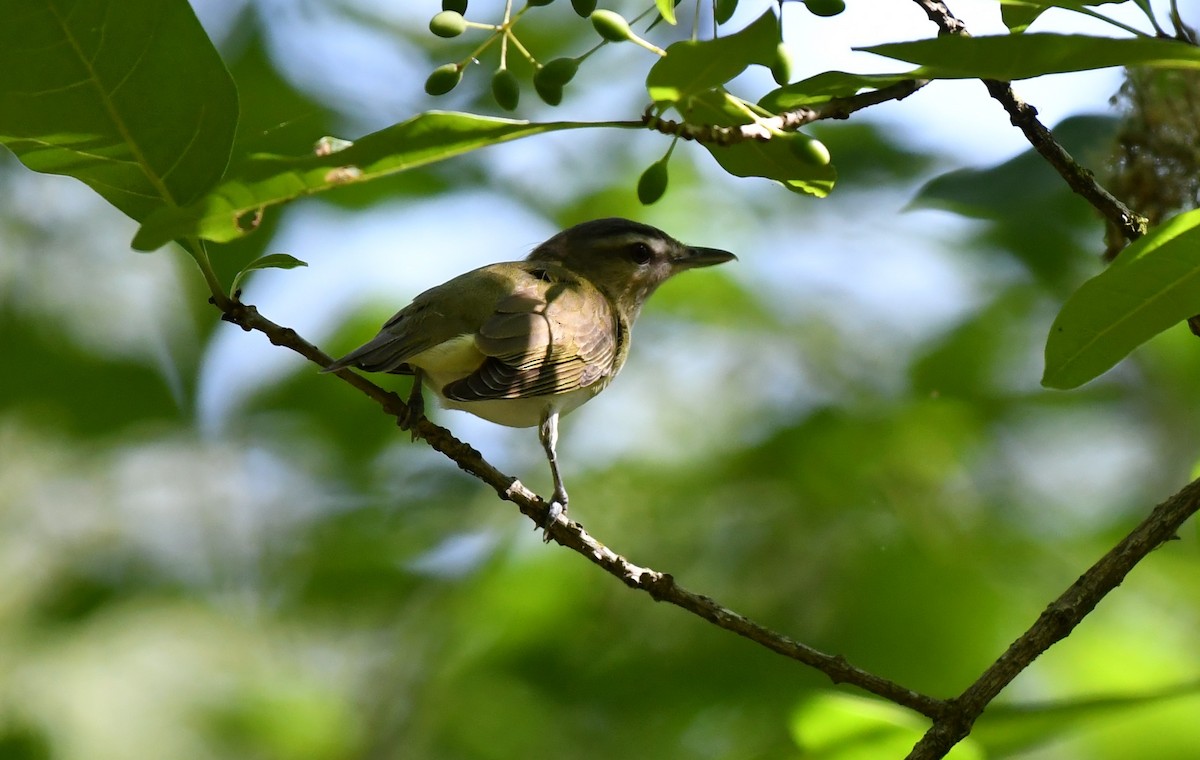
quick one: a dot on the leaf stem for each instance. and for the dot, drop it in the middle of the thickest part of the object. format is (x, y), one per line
(199, 253)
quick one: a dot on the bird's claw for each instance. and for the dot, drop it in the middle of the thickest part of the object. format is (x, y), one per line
(414, 410)
(410, 419)
(558, 508)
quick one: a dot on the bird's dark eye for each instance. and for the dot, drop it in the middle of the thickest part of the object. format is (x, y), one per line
(639, 252)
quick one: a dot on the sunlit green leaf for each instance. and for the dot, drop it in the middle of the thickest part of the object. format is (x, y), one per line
(694, 66)
(234, 207)
(1021, 56)
(128, 96)
(1152, 285)
(826, 86)
(270, 261)
(1019, 14)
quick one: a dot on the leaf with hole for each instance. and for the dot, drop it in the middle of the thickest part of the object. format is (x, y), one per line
(232, 209)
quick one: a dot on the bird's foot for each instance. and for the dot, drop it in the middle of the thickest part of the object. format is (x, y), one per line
(414, 412)
(558, 508)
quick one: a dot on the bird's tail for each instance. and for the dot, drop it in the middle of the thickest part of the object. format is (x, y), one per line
(377, 355)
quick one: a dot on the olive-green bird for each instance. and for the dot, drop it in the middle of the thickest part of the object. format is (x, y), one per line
(520, 343)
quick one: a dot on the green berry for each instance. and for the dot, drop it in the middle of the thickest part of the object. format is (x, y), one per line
(723, 10)
(506, 90)
(536, 3)
(825, 7)
(809, 150)
(653, 182)
(611, 26)
(781, 67)
(558, 72)
(448, 24)
(458, 6)
(443, 79)
(583, 8)
(549, 92)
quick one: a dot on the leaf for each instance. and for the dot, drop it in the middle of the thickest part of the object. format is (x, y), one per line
(234, 207)
(270, 261)
(128, 96)
(849, 727)
(691, 67)
(666, 9)
(1152, 285)
(826, 86)
(1021, 56)
(772, 159)
(1019, 14)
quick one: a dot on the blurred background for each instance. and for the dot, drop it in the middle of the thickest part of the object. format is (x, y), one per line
(211, 551)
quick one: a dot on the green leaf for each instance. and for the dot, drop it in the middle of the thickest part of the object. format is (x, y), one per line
(1021, 56)
(772, 159)
(270, 261)
(1019, 14)
(234, 207)
(128, 96)
(849, 727)
(691, 67)
(825, 87)
(666, 9)
(1152, 285)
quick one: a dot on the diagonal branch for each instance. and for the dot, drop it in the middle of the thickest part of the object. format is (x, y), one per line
(660, 586)
(1058, 620)
(1065, 613)
(1024, 117)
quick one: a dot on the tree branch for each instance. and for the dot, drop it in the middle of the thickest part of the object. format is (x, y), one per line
(1024, 117)
(1058, 620)
(660, 586)
(787, 121)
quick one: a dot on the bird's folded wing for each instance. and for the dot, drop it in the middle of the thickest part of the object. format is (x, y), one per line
(547, 338)
(438, 315)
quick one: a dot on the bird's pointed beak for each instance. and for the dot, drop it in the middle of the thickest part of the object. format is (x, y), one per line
(694, 257)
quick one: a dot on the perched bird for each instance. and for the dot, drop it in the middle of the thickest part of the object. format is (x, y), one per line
(520, 343)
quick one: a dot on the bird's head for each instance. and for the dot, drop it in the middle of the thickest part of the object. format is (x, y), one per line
(625, 259)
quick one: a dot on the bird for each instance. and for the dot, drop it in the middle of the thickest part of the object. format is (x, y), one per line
(521, 343)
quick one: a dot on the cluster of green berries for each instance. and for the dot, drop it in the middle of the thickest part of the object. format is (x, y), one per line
(548, 79)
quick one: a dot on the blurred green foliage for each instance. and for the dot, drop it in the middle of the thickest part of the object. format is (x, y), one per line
(288, 577)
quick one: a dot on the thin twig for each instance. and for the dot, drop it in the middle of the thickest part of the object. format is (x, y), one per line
(660, 586)
(1024, 117)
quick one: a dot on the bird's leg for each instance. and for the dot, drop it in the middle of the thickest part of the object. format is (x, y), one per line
(548, 433)
(415, 405)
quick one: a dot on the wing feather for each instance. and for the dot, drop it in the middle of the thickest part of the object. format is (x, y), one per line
(555, 334)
